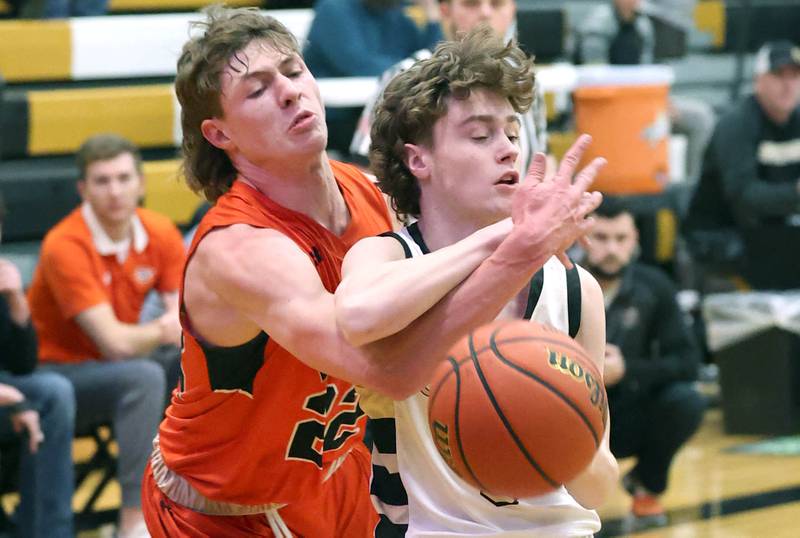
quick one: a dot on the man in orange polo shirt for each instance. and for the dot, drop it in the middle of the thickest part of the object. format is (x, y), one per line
(97, 265)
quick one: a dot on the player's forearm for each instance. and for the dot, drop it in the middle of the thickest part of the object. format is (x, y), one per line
(377, 302)
(411, 356)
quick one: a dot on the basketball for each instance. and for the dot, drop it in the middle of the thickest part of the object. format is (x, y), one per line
(517, 409)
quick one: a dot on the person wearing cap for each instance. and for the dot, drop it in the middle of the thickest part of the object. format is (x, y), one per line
(751, 170)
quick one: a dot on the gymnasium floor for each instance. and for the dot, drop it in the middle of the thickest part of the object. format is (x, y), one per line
(718, 494)
(713, 493)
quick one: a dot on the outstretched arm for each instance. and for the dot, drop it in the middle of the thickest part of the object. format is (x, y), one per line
(382, 292)
(267, 280)
(548, 216)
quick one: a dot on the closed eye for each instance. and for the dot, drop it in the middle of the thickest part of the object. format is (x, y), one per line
(257, 93)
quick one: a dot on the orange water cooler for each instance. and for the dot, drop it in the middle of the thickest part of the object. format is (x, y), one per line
(625, 109)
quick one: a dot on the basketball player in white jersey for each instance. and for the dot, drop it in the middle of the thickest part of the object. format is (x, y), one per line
(445, 143)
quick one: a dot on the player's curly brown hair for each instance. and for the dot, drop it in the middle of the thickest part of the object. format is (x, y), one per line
(416, 98)
(198, 85)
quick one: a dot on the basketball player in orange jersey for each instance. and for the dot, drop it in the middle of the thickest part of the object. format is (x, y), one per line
(263, 437)
(457, 117)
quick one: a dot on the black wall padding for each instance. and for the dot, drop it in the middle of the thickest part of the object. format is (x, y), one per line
(14, 121)
(37, 195)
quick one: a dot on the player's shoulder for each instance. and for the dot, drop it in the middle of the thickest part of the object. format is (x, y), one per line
(241, 239)
(385, 247)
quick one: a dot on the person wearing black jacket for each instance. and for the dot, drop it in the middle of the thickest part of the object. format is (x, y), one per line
(37, 411)
(651, 360)
(748, 197)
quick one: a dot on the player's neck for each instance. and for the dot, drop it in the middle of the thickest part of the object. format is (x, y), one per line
(441, 227)
(440, 233)
(308, 187)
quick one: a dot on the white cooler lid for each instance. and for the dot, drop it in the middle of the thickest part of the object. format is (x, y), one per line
(624, 75)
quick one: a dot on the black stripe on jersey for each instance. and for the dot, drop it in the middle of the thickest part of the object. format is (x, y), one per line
(384, 434)
(235, 368)
(574, 300)
(387, 529)
(537, 285)
(388, 487)
(406, 248)
(416, 235)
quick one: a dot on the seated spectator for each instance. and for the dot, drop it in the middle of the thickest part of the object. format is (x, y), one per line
(749, 192)
(96, 267)
(358, 38)
(618, 33)
(60, 9)
(651, 361)
(37, 410)
(459, 17)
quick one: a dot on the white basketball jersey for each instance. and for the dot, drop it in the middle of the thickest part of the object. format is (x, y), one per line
(440, 504)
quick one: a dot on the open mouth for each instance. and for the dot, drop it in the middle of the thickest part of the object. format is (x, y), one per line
(511, 178)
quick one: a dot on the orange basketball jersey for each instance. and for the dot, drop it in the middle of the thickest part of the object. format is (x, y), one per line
(253, 424)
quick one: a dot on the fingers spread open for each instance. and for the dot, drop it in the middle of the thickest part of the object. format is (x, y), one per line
(587, 176)
(537, 169)
(572, 158)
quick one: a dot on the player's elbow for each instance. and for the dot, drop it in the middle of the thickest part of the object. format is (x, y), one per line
(392, 377)
(592, 488)
(396, 388)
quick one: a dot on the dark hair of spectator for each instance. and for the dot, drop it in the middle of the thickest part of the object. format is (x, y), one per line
(198, 85)
(611, 208)
(416, 98)
(103, 147)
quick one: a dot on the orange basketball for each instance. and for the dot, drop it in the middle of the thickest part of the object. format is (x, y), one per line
(517, 409)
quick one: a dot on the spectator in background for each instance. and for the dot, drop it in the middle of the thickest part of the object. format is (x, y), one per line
(37, 409)
(60, 9)
(459, 17)
(363, 38)
(651, 361)
(96, 267)
(751, 171)
(618, 33)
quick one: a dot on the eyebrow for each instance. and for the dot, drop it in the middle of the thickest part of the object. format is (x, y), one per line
(488, 118)
(262, 72)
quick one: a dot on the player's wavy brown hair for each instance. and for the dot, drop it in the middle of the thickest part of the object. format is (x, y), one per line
(416, 98)
(198, 84)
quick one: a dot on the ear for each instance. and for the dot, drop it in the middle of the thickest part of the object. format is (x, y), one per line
(81, 184)
(418, 161)
(214, 132)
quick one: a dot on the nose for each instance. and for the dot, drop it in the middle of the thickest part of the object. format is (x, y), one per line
(288, 91)
(114, 187)
(508, 151)
(486, 10)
